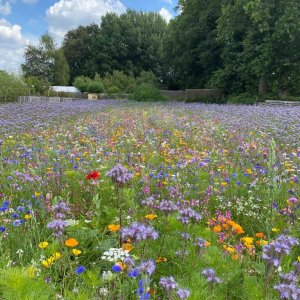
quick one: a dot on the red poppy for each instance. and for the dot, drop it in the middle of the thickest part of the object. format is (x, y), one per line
(93, 175)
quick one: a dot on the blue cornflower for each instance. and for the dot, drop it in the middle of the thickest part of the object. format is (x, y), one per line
(15, 215)
(135, 273)
(80, 270)
(116, 268)
(17, 223)
(2, 228)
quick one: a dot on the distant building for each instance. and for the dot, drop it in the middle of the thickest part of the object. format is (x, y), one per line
(65, 89)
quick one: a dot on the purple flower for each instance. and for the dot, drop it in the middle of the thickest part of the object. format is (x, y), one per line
(58, 224)
(139, 232)
(183, 294)
(210, 275)
(273, 252)
(200, 242)
(187, 215)
(80, 270)
(119, 175)
(167, 206)
(168, 283)
(147, 267)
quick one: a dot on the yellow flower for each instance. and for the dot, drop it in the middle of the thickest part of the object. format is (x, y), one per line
(275, 229)
(46, 263)
(217, 228)
(71, 242)
(37, 194)
(127, 246)
(299, 258)
(161, 259)
(207, 244)
(249, 171)
(27, 217)
(224, 184)
(56, 256)
(151, 216)
(43, 245)
(76, 252)
(113, 227)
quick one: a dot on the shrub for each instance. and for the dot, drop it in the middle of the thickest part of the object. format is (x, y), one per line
(118, 80)
(85, 84)
(11, 86)
(244, 98)
(148, 93)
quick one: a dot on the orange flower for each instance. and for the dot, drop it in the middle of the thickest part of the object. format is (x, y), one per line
(71, 242)
(207, 244)
(217, 228)
(128, 247)
(260, 235)
(113, 227)
(123, 266)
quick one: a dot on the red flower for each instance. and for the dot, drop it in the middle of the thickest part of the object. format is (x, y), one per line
(93, 175)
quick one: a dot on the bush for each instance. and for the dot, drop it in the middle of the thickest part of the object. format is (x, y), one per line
(118, 81)
(11, 86)
(244, 98)
(85, 84)
(148, 93)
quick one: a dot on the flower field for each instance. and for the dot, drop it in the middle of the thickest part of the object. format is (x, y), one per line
(118, 200)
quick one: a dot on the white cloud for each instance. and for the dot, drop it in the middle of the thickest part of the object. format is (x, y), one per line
(5, 8)
(12, 44)
(165, 14)
(168, 1)
(30, 1)
(69, 14)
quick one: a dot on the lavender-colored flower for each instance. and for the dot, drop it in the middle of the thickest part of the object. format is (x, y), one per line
(139, 232)
(168, 283)
(187, 215)
(58, 227)
(273, 252)
(147, 267)
(210, 275)
(183, 294)
(58, 224)
(186, 236)
(200, 243)
(129, 262)
(167, 206)
(119, 175)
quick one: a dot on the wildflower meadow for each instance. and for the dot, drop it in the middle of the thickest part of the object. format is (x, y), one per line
(117, 200)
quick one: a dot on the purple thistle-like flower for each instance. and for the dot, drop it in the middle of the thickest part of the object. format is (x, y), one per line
(183, 294)
(147, 267)
(167, 206)
(273, 252)
(168, 283)
(139, 232)
(187, 215)
(119, 175)
(210, 275)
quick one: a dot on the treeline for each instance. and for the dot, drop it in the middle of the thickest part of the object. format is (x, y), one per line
(240, 46)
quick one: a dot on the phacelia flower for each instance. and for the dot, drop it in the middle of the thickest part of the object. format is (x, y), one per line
(168, 283)
(119, 175)
(210, 276)
(138, 232)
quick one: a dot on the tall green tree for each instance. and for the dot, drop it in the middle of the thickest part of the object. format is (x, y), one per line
(131, 42)
(261, 40)
(191, 50)
(80, 48)
(46, 62)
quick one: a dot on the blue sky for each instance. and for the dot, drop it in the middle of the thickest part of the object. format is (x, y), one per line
(22, 22)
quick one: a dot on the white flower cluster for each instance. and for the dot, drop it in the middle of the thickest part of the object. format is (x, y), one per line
(72, 222)
(115, 254)
(108, 275)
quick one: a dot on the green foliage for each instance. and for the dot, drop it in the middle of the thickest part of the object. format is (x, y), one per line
(46, 62)
(244, 98)
(16, 283)
(11, 86)
(118, 82)
(36, 85)
(85, 84)
(148, 93)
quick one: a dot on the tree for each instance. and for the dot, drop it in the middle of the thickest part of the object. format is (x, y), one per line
(261, 40)
(80, 48)
(191, 51)
(131, 42)
(45, 62)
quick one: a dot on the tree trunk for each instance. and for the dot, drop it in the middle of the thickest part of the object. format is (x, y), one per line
(262, 87)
